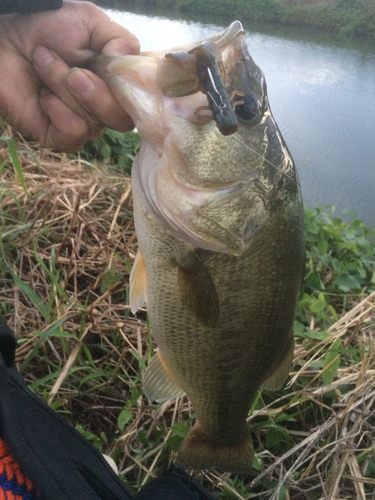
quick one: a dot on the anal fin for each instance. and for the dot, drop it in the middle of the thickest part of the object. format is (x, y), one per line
(278, 377)
(158, 382)
(137, 283)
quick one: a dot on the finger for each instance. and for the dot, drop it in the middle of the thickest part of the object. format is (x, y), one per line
(97, 99)
(85, 93)
(53, 71)
(98, 34)
(108, 37)
(66, 131)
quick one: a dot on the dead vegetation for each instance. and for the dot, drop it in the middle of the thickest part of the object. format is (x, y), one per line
(66, 250)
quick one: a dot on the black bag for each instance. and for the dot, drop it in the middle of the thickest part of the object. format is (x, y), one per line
(60, 463)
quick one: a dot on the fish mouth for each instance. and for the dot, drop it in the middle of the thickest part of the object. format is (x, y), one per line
(221, 39)
(228, 34)
(204, 67)
(208, 67)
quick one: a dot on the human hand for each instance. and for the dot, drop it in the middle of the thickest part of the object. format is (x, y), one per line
(42, 92)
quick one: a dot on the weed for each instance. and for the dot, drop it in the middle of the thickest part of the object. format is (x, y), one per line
(113, 148)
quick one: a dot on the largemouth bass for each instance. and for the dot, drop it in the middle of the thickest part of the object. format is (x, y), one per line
(218, 216)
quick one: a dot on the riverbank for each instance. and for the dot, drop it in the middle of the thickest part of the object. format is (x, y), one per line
(348, 18)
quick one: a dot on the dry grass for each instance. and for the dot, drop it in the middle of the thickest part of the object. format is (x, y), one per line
(67, 247)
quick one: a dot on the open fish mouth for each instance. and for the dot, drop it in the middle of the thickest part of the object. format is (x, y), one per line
(201, 68)
(211, 77)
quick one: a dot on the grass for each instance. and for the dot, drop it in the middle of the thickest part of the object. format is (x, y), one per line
(67, 245)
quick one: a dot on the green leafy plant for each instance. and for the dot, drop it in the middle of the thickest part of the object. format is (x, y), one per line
(340, 264)
(114, 148)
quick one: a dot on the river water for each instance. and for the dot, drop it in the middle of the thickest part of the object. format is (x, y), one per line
(322, 95)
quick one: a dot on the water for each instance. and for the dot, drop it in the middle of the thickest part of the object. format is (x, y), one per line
(322, 96)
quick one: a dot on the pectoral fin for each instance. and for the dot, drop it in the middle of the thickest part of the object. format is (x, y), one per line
(198, 290)
(278, 377)
(158, 382)
(137, 283)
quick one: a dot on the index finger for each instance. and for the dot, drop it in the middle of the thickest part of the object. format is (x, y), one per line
(108, 37)
(85, 93)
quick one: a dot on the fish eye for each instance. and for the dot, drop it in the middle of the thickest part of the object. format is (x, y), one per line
(249, 107)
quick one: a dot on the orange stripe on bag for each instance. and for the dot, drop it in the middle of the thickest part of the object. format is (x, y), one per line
(14, 485)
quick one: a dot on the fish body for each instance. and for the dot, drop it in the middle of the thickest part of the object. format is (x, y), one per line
(220, 230)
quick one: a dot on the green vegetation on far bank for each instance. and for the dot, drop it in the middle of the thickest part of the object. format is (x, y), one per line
(350, 18)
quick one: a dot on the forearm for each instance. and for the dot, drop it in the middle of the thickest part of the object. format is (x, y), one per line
(27, 6)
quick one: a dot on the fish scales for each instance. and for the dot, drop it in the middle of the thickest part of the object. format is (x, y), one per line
(244, 312)
(220, 231)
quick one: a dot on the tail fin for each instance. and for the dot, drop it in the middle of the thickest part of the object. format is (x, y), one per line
(199, 452)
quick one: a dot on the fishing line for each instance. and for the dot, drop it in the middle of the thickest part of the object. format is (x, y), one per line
(265, 159)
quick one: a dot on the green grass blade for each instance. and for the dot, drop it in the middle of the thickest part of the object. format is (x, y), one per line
(45, 335)
(31, 294)
(51, 275)
(16, 163)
